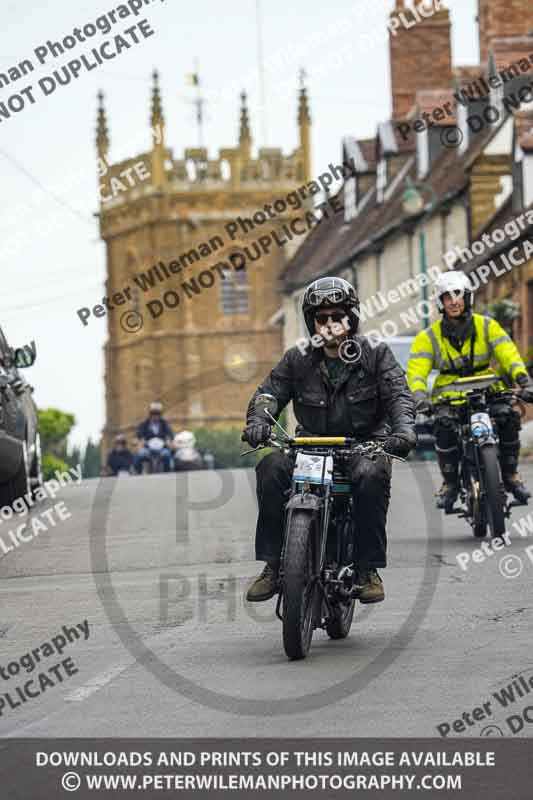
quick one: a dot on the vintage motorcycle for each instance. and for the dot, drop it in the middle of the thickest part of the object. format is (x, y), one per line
(317, 569)
(154, 462)
(482, 496)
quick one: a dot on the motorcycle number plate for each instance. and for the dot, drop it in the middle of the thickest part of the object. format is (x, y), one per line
(313, 469)
(480, 424)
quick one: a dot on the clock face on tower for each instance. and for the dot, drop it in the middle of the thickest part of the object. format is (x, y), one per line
(240, 363)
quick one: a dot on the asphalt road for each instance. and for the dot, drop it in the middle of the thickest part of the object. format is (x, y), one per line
(158, 565)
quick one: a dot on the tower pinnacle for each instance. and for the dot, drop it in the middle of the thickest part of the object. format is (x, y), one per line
(304, 123)
(102, 135)
(158, 135)
(245, 136)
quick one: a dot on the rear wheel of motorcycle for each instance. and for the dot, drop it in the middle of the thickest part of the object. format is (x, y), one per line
(338, 626)
(492, 485)
(299, 588)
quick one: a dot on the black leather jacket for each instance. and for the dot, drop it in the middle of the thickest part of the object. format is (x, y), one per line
(371, 399)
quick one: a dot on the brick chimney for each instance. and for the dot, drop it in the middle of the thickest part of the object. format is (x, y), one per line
(420, 51)
(500, 19)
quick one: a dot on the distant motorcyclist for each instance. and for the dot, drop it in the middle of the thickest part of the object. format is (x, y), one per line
(154, 427)
(120, 458)
(186, 456)
(344, 387)
(462, 344)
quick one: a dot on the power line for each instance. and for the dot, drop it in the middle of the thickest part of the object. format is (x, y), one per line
(43, 188)
(50, 299)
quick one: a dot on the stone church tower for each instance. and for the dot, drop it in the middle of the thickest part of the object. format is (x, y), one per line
(194, 292)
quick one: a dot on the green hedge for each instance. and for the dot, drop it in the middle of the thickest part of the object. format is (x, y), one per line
(226, 446)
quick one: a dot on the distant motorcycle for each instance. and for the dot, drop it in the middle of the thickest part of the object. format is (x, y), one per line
(154, 462)
(186, 456)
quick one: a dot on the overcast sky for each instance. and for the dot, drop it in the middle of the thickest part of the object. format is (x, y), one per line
(51, 258)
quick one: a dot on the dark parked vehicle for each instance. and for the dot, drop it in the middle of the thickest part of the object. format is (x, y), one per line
(20, 450)
(425, 441)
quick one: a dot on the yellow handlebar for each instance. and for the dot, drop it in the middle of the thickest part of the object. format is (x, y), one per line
(320, 440)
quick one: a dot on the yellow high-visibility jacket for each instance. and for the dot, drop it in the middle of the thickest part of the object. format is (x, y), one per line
(431, 350)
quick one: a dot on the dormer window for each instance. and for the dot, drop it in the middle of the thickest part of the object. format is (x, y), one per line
(497, 95)
(381, 179)
(422, 153)
(462, 124)
(526, 165)
(350, 198)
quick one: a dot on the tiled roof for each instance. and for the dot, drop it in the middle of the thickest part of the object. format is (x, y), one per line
(332, 244)
(503, 215)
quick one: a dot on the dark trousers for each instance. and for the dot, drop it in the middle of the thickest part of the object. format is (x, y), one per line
(371, 494)
(446, 431)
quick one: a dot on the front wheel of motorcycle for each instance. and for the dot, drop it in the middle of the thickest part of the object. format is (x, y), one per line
(493, 490)
(299, 585)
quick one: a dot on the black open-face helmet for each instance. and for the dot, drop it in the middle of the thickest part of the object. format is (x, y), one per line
(326, 292)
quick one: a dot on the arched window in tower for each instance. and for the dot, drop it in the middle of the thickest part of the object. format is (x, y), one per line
(190, 167)
(234, 292)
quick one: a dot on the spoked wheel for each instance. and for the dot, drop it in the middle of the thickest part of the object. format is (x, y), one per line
(338, 626)
(300, 589)
(493, 490)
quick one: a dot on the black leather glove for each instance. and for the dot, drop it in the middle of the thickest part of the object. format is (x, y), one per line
(398, 446)
(525, 383)
(257, 433)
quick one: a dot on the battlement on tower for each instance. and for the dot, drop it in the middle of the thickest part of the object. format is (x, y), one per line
(159, 171)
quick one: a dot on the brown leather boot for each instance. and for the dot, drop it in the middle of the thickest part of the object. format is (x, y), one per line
(447, 495)
(370, 586)
(265, 585)
(514, 484)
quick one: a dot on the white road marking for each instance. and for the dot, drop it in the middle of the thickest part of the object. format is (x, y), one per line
(94, 684)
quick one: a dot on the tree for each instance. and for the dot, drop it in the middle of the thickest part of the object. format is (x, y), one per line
(91, 460)
(54, 427)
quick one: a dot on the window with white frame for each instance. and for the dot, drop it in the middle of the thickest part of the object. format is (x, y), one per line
(234, 292)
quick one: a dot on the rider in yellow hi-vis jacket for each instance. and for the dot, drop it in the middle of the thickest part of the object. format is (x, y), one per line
(462, 344)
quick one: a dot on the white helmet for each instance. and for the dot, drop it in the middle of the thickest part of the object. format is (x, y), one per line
(156, 408)
(185, 439)
(454, 282)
